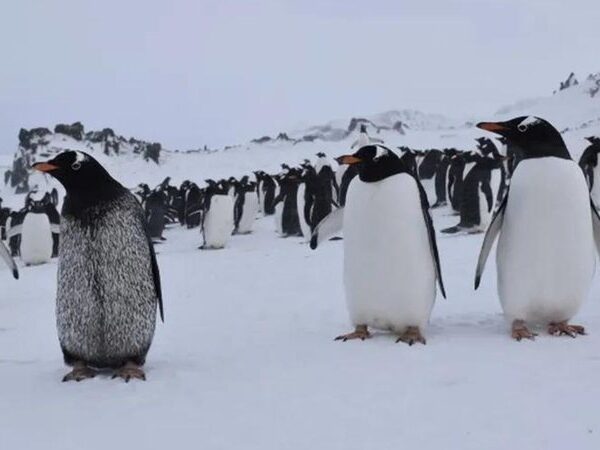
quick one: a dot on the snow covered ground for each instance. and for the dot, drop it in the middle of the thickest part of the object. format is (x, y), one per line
(246, 360)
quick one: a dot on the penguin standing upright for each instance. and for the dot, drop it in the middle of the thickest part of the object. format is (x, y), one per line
(305, 199)
(36, 243)
(108, 277)
(391, 261)
(547, 226)
(286, 217)
(217, 217)
(156, 210)
(477, 199)
(246, 206)
(441, 178)
(591, 169)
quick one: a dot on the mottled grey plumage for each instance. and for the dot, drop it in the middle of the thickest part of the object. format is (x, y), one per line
(107, 298)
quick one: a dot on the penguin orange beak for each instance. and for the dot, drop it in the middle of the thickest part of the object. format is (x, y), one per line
(348, 160)
(44, 167)
(494, 127)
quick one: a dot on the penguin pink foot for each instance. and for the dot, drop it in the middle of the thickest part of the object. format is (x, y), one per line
(80, 372)
(564, 329)
(520, 331)
(411, 336)
(130, 371)
(361, 332)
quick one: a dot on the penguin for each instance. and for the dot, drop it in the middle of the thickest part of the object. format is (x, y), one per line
(246, 206)
(4, 215)
(456, 172)
(268, 189)
(108, 277)
(286, 203)
(391, 262)
(364, 138)
(194, 201)
(156, 210)
(477, 199)
(591, 169)
(305, 200)
(429, 164)
(441, 178)
(217, 216)
(36, 242)
(547, 226)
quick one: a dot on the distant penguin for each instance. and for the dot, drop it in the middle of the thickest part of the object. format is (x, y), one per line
(194, 202)
(268, 188)
(548, 226)
(217, 218)
(351, 172)
(441, 178)
(391, 261)
(108, 277)
(456, 173)
(305, 201)
(36, 244)
(477, 199)
(156, 210)
(5, 255)
(428, 166)
(591, 169)
(246, 207)
(286, 217)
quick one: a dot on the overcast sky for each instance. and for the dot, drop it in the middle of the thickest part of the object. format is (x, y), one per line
(190, 72)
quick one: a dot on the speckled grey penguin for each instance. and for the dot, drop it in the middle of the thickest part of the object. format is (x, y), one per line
(108, 278)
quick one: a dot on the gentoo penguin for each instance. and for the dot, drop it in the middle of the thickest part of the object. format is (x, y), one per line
(591, 169)
(266, 190)
(547, 226)
(37, 244)
(390, 253)
(477, 199)
(246, 206)
(156, 211)
(217, 217)
(286, 203)
(429, 164)
(441, 178)
(364, 138)
(108, 278)
(194, 202)
(305, 199)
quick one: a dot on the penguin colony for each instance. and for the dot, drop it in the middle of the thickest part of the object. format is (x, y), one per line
(108, 295)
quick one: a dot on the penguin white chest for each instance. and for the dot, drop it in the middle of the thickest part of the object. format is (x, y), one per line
(218, 223)
(249, 213)
(36, 239)
(546, 255)
(596, 186)
(389, 273)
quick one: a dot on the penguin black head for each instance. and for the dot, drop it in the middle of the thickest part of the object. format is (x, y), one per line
(594, 140)
(363, 128)
(374, 163)
(77, 171)
(87, 183)
(535, 137)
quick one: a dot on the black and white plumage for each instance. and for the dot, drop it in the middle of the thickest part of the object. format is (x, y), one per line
(5, 255)
(108, 277)
(548, 229)
(391, 261)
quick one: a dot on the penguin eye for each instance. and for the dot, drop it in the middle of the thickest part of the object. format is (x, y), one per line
(522, 128)
(76, 165)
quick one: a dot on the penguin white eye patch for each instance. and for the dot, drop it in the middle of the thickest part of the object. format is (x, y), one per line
(527, 122)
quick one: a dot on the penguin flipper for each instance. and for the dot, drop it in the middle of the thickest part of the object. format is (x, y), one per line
(595, 225)
(331, 224)
(154, 265)
(490, 237)
(431, 235)
(4, 253)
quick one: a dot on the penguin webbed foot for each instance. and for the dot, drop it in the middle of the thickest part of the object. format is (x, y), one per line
(565, 329)
(80, 372)
(129, 372)
(520, 331)
(360, 332)
(411, 336)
